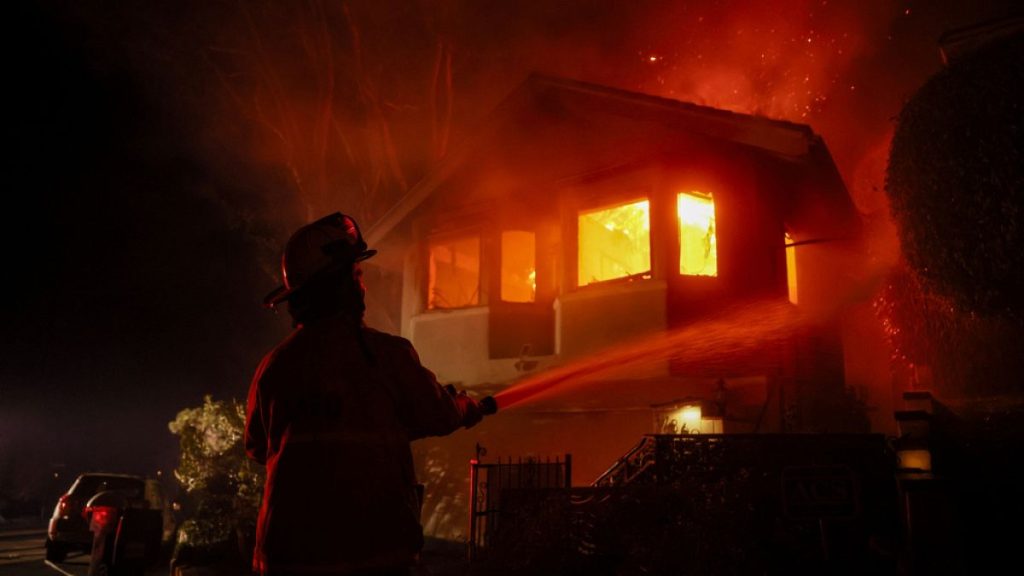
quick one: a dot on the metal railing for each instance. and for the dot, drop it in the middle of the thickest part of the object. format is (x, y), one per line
(630, 466)
(491, 482)
(709, 504)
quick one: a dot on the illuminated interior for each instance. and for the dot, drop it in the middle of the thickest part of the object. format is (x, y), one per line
(791, 268)
(687, 419)
(698, 249)
(920, 459)
(454, 274)
(518, 266)
(615, 242)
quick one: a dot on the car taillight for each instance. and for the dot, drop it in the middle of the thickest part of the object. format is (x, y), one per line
(62, 505)
(100, 516)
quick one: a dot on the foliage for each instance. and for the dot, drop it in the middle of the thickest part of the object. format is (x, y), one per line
(956, 181)
(960, 349)
(215, 471)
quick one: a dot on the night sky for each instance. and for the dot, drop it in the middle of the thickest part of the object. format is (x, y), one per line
(164, 151)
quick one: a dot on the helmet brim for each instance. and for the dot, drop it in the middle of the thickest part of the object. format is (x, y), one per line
(282, 292)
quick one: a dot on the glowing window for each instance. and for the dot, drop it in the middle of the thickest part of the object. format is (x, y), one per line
(791, 268)
(615, 242)
(518, 269)
(454, 275)
(698, 247)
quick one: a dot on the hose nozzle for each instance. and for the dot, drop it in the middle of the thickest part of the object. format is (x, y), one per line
(488, 405)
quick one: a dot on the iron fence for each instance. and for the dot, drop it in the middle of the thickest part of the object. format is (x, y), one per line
(491, 483)
(726, 504)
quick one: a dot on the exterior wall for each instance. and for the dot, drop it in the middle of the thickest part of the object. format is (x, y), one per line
(453, 344)
(752, 195)
(597, 317)
(411, 301)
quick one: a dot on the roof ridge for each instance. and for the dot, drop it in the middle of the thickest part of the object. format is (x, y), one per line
(528, 90)
(582, 85)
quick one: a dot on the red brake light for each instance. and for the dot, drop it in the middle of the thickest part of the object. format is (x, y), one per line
(62, 505)
(101, 515)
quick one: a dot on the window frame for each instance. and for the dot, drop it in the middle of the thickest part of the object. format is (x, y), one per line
(500, 263)
(481, 278)
(596, 202)
(679, 191)
(792, 274)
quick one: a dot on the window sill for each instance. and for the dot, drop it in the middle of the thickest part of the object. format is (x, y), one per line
(612, 288)
(466, 310)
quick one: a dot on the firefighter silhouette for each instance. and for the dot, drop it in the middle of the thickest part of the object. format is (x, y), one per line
(331, 411)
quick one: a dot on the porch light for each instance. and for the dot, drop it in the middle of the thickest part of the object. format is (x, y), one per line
(690, 416)
(914, 459)
(680, 417)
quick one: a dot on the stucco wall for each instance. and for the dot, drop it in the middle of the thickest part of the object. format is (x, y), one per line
(596, 317)
(454, 345)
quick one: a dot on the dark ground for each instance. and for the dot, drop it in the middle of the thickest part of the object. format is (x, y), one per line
(22, 554)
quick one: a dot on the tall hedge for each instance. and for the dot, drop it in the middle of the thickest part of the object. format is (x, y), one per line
(956, 181)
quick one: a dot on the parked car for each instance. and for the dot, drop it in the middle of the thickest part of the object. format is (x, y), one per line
(69, 526)
(126, 533)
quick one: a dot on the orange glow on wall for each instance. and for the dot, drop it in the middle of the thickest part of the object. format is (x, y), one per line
(687, 418)
(454, 273)
(518, 266)
(791, 269)
(698, 246)
(615, 242)
(919, 459)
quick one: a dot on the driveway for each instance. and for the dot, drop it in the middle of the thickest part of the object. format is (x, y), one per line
(22, 553)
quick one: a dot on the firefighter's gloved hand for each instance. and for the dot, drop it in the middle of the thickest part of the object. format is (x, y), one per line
(471, 413)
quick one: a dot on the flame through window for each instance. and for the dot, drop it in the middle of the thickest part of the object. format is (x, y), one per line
(698, 245)
(614, 242)
(518, 267)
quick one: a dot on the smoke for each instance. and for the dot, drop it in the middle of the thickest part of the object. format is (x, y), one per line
(344, 105)
(176, 144)
(347, 104)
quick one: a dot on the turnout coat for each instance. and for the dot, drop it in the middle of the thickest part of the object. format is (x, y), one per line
(331, 412)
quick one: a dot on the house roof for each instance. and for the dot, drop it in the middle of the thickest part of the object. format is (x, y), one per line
(776, 137)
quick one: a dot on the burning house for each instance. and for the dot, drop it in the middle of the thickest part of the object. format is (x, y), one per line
(580, 219)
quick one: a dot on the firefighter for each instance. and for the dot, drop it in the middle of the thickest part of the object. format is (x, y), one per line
(331, 411)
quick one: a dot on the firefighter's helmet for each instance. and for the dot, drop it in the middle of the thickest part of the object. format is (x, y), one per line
(329, 244)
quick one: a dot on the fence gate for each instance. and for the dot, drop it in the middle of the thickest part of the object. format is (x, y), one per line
(488, 482)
